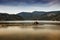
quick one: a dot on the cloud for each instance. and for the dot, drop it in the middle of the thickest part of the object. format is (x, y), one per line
(16, 6)
(16, 2)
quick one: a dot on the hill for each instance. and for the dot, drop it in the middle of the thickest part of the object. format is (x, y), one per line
(9, 17)
(36, 15)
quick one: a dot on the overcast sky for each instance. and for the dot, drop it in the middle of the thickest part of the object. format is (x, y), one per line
(16, 6)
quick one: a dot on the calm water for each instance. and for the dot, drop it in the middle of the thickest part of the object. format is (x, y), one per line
(34, 32)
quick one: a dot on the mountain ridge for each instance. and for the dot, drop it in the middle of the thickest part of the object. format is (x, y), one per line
(35, 15)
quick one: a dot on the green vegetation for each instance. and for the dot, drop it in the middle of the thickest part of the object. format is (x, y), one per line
(36, 15)
(9, 17)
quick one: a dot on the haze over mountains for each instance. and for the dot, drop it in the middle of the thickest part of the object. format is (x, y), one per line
(36, 15)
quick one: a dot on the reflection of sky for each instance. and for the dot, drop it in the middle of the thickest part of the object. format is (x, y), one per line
(16, 6)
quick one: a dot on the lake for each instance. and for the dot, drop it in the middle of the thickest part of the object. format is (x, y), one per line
(30, 32)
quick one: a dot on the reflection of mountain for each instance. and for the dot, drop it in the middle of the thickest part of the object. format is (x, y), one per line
(36, 15)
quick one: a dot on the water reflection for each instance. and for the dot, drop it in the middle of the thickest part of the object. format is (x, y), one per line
(33, 32)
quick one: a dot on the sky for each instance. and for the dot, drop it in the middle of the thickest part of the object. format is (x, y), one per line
(17, 6)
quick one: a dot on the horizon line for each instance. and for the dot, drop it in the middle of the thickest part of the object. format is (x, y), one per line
(30, 12)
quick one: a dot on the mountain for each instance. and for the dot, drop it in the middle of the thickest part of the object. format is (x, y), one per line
(31, 16)
(25, 15)
(9, 17)
(51, 16)
(37, 15)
